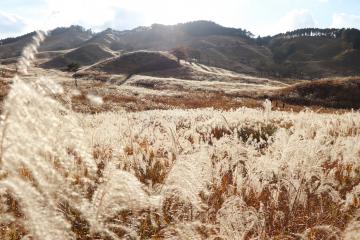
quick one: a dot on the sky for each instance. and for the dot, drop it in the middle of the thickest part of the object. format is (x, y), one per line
(261, 17)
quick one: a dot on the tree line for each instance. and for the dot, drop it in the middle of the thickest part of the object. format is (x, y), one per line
(349, 35)
(15, 39)
(312, 32)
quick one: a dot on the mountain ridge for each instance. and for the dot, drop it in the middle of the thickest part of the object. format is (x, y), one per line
(304, 53)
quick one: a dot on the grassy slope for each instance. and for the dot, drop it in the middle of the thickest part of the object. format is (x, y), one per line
(333, 92)
(86, 55)
(137, 62)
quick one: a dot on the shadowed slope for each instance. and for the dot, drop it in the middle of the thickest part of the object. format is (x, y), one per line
(66, 38)
(136, 62)
(336, 92)
(85, 55)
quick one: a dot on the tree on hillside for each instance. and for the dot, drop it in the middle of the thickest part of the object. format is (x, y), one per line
(352, 36)
(73, 67)
(263, 41)
(180, 53)
(194, 54)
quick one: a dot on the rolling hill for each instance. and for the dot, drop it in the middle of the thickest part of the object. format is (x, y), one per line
(86, 55)
(12, 47)
(137, 62)
(333, 92)
(65, 38)
(57, 39)
(219, 46)
(304, 53)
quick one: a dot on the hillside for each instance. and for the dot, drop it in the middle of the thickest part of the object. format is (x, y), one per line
(163, 37)
(335, 93)
(137, 62)
(314, 53)
(219, 46)
(84, 56)
(57, 39)
(65, 38)
(12, 47)
(304, 53)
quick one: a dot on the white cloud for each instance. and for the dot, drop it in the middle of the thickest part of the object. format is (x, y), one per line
(297, 19)
(343, 20)
(229, 12)
(54, 13)
(88, 13)
(11, 24)
(123, 19)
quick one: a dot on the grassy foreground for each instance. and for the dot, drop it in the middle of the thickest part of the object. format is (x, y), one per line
(179, 174)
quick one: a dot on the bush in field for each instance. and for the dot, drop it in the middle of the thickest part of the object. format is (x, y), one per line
(72, 67)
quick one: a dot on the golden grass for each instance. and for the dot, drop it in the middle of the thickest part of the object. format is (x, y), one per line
(205, 174)
(285, 212)
(329, 93)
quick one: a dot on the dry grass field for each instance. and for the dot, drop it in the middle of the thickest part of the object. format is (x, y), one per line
(160, 158)
(332, 92)
(180, 174)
